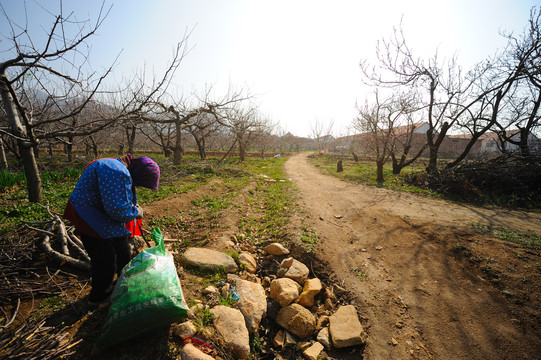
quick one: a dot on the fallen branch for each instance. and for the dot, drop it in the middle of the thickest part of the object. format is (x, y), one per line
(57, 256)
(9, 321)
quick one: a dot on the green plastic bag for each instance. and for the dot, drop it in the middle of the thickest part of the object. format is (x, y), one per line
(146, 296)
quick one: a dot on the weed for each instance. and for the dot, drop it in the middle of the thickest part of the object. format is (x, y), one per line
(358, 272)
(461, 249)
(529, 239)
(309, 238)
(211, 274)
(234, 255)
(226, 301)
(49, 306)
(256, 344)
(203, 318)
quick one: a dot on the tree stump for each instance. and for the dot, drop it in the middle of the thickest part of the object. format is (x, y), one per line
(339, 167)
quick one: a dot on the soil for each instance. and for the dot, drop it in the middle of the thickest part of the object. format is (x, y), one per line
(426, 284)
(427, 278)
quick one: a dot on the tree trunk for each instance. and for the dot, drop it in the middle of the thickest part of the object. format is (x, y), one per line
(69, 149)
(201, 147)
(3, 159)
(242, 151)
(432, 167)
(355, 157)
(26, 147)
(380, 179)
(339, 166)
(130, 136)
(177, 150)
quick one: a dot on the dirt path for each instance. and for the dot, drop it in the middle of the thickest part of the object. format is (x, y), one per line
(410, 291)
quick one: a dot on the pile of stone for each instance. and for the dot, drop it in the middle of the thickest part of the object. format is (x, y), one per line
(287, 297)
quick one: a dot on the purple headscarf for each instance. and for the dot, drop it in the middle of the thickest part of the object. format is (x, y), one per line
(144, 172)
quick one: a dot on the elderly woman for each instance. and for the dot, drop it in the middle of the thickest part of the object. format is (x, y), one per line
(100, 207)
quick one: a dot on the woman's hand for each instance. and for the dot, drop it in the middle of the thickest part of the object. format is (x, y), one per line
(139, 212)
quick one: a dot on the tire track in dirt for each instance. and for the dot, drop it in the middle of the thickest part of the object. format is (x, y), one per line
(408, 288)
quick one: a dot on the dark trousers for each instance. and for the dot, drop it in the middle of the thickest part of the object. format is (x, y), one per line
(107, 257)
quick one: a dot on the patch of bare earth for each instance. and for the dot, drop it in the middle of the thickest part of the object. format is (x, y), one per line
(427, 286)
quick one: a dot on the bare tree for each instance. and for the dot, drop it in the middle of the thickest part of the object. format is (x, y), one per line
(244, 123)
(523, 58)
(322, 134)
(377, 122)
(28, 64)
(36, 85)
(442, 87)
(202, 129)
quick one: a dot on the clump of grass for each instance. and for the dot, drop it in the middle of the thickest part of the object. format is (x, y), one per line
(309, 238)
(528, 239)
(202, 317)
(358, 272)
(10, 179)
(460, 249)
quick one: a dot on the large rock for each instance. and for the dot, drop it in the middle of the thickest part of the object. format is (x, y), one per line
(276, 249)
(190, 352)
(209, 259)
(230, 324)
(311, 288)
(284, 291)
(345, 327)
(294, 270)
(297, 320)
(246, 259)
(252, 302)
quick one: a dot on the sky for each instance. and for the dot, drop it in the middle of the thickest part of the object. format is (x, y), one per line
(298, 58)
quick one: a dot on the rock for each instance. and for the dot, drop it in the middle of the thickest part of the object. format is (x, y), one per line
(294, 270)
(379, 248)
(226, 241)
(210, 290)
(313, 351)
(322, 321)
(289, 339)
(186, 328)
(297, 319)
(231, 326)
(394, 342)
(248, 261)
(283, 338)
(284, 291)
(324, 338)
(276, 249)
(329, 294)
(328, 304)
(311, 288)
(190, 352)
(279, 339)
(210, 259)
(345, 327)
(252, 302)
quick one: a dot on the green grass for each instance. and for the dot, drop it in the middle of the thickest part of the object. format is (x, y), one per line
(272, 199)
(528, 239)
(309, 238)
(10, 179)
(364, 172)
